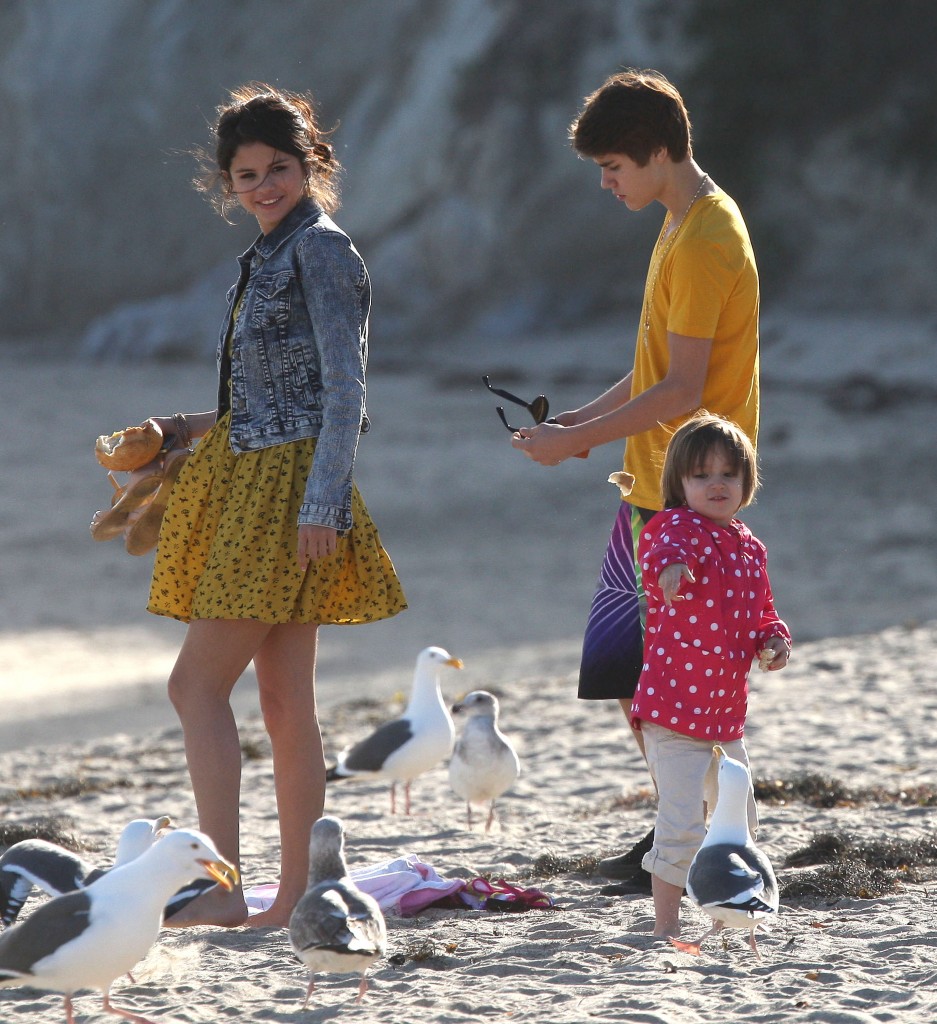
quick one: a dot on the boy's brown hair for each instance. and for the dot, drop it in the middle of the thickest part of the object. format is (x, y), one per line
(691, 445)
(635, 113)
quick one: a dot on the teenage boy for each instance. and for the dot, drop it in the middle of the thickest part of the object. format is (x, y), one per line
(696, 347)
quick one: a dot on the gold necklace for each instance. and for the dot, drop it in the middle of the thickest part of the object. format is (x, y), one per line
(664, 247)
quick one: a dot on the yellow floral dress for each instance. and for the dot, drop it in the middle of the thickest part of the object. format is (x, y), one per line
(227, 545)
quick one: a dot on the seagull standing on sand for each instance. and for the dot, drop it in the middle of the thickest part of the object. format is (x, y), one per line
(335, 926)
(56, 870)
(412, 744)
(730, 878)
(89, 938)
(484, 764)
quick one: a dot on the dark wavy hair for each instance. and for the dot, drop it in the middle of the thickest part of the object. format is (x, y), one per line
(285, 121)
(692, 444)
(635, 113)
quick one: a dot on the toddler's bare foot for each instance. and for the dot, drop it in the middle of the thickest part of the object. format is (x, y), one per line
(215, 907)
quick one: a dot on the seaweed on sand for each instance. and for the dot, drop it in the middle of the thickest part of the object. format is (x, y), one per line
(58, 830)
(548, 865)
(823, 791)
(859, 868)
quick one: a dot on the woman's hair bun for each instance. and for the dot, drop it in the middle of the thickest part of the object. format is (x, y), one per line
(323, 152)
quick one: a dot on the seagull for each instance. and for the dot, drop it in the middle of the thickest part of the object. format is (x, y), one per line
(56, 870)
(335, 926)
(412, 744)
(730, 878)
(484, 764)
(89, 938)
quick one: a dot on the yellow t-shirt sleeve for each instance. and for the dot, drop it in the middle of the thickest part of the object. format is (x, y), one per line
(702, 280)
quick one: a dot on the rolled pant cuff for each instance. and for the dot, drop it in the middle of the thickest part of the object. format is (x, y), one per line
(654, 864)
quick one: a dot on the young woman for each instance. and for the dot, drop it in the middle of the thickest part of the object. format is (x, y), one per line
(265, 536)
(710, 613)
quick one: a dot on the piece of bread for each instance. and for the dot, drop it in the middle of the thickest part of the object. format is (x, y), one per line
(623, 481)
(765, 657)
(130, 448)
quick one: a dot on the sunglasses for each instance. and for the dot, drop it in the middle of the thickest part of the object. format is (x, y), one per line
(539, 408)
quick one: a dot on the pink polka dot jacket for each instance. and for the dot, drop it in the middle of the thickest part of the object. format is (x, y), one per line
(699, 651)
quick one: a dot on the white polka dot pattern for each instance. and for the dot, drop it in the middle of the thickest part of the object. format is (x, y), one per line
(699, 651)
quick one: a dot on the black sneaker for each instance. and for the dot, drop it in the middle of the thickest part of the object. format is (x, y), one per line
(626, 866)
(638, 885)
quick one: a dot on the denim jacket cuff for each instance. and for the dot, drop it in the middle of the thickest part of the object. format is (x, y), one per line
(313, 513)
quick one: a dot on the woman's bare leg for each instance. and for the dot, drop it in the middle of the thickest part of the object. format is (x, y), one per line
(285, 664)
(213, 656)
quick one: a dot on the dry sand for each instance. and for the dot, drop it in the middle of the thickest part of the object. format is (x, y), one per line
(499, 558)
(837, 708)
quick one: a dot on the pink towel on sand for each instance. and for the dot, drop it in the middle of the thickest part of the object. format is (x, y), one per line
(407, 885)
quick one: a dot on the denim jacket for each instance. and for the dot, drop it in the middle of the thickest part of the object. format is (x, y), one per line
(298, 351)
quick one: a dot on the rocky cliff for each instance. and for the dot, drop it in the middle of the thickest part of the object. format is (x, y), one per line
(460, 188)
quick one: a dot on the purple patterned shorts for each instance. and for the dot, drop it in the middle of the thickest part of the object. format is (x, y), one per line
(613, 646)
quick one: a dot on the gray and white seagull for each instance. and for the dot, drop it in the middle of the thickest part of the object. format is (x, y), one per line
(408, 746)
(37, 863)
(89, 938)
(484, 764)
(56, 870)
(730, 878)
(335, 926)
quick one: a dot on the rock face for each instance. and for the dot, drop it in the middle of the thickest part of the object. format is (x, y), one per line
(460, 187)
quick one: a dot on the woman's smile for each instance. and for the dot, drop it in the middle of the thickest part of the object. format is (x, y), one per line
(267, 182)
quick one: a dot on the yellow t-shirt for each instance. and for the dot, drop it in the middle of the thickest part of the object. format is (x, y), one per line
(706, 287)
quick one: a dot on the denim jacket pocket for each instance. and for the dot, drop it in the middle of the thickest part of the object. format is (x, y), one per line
(304, 374)
(272, 300)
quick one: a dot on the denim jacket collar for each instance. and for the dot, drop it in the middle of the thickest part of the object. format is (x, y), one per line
(303, 212)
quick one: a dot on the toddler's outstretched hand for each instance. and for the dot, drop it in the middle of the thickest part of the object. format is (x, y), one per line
(669, 581)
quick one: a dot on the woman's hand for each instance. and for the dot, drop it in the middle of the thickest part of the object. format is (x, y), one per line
(670, 579)
(164, 423)
(185, 428)
(315, 542)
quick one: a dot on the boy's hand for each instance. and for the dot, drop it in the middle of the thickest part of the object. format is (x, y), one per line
(545, 443)
(670, 579)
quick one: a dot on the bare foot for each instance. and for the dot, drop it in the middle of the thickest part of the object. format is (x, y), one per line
(216, 907)
(277, 915)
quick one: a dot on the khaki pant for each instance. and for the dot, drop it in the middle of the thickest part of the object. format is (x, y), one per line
(686, 788)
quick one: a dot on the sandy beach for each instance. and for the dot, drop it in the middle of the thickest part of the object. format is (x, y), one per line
(499, 558)
(582, 793)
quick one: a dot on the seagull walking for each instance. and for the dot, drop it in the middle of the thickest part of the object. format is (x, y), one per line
(408, 746)
(484, 764)
(730, 878)
(335, 926)
(56, 870)
(89, 938)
